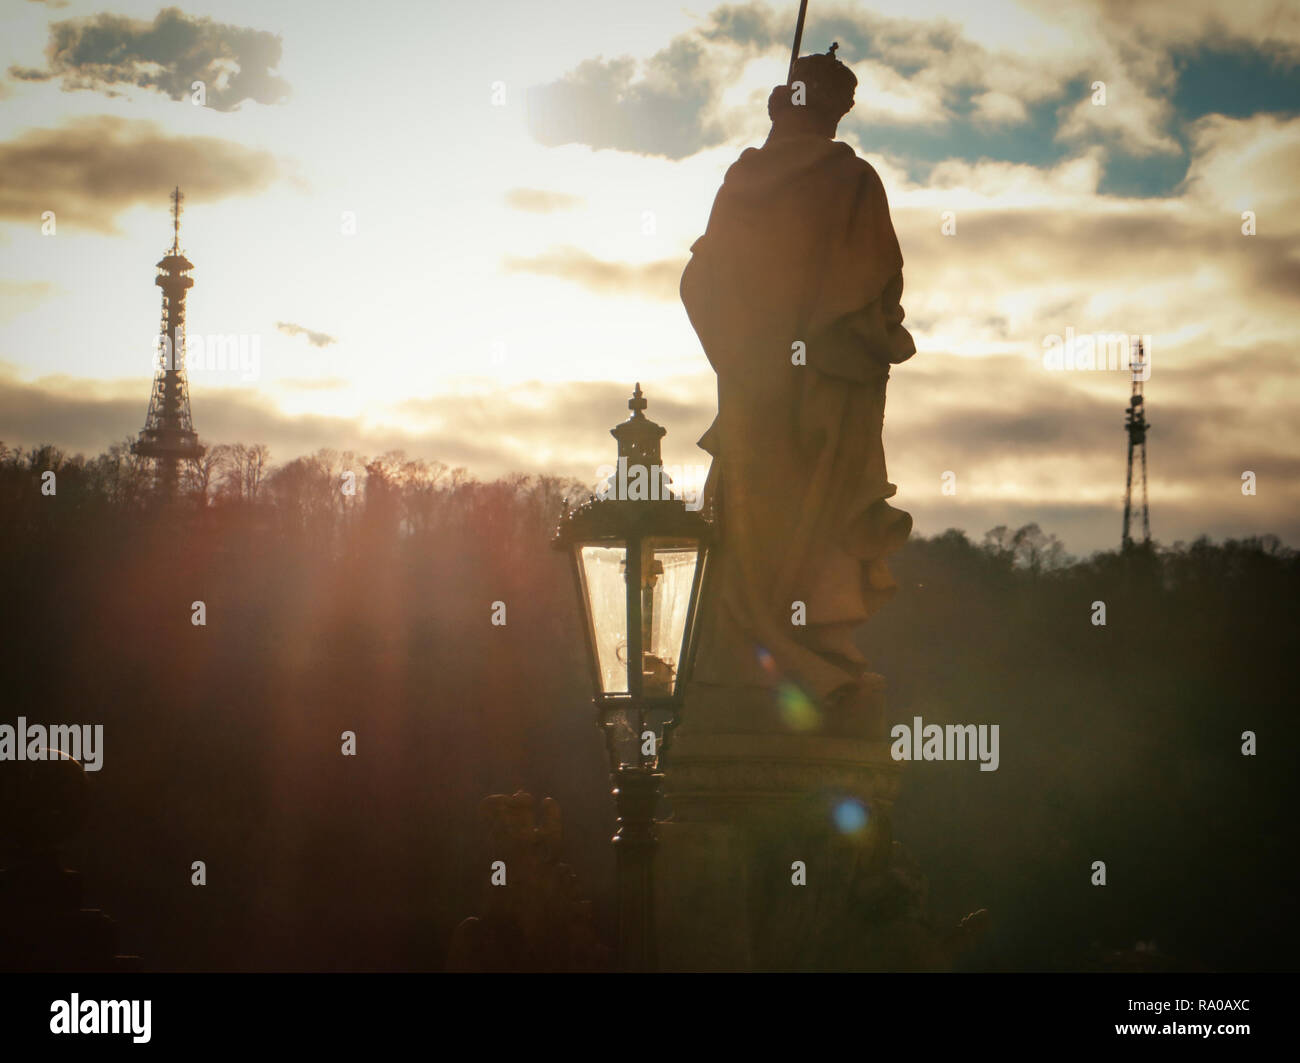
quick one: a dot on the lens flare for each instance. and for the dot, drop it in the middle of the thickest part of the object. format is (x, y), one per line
(797, 710)
(849, 815)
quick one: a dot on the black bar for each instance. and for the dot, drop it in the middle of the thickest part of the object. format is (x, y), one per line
(985, 1012)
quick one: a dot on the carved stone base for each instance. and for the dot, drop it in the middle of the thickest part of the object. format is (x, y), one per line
(757, 809)
(734, 759)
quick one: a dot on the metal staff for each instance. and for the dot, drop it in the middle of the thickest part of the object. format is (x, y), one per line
(798, 39)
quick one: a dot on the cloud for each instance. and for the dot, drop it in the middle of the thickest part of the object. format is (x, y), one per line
(1029, 445)
(17, 297)
(752, 26)
(316, 339)
(1253, 23)
(1236, 166)
(1130, 117)
(167, 55)
(1025, 445)
(654, 280)
(563, 428)
(604, 103)
(80, 416)
(568, 419)
(1015, 84)
(90, 169)
(541, 201)
(1036, 251)
(1000, 107)
(674, 103)
(886, 97)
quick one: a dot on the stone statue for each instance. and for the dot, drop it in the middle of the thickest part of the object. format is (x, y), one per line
(794, 292)
(532, 918)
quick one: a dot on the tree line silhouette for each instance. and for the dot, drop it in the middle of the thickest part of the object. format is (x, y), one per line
(368, 610)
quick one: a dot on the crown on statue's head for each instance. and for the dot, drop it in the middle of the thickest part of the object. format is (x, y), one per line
(828, 85)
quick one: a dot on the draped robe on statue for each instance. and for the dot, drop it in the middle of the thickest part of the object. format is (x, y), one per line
(799, 248)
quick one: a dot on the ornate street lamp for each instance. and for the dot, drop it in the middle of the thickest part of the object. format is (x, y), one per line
(639, 558)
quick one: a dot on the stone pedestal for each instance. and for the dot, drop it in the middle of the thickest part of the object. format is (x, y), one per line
(751, 799)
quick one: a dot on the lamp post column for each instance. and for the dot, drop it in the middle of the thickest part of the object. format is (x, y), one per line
(636, 793)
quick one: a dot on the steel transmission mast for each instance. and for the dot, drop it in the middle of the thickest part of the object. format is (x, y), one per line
(1135, 424)
(168, 436)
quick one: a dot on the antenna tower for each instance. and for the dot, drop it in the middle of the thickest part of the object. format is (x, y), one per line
(1135, 424)
(168, 436)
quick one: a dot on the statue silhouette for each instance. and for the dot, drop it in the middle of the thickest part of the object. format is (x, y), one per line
(794, 291)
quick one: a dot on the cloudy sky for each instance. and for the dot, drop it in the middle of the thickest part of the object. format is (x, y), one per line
(457, 229)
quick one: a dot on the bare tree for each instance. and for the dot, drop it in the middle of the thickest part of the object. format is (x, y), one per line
(124, 478)
(201, 473)
(245, 469)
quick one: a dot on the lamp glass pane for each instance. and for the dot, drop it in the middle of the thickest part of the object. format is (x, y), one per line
(668, 574)
(604, 584)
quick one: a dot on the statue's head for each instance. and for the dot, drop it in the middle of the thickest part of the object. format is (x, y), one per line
(826, 96)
